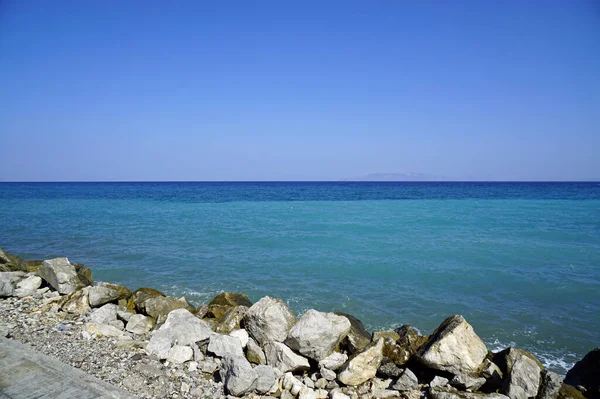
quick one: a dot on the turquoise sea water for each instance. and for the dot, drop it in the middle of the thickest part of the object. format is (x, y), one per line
(521, 261)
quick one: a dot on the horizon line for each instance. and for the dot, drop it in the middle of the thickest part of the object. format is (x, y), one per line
(302, 181)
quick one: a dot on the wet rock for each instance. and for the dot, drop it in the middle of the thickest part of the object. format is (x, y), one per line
(238, 375)
(362, 366)
(84, 274)
(139, 324)
(231, 320)
(99, 296)
(391, 334)
(454, 347)
(406, 382)
(61, 275)
(523, 380)
(284, 359)
(254, 353)
(316, 334)
(269, 319)
(334, 361)
(586, 373)
(358, 337)
(225, 346)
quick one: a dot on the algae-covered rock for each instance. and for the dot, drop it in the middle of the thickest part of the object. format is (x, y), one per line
(550, 385)
(139, 296)
(84, 273)
(61, 275)
(358, 337)
(99, 296)
(230, 299)
(11, 263)
(453, 347)
(157, 306)
(232, 320)
(570, 392)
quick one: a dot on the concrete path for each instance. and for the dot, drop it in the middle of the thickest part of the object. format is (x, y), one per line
(27, 374)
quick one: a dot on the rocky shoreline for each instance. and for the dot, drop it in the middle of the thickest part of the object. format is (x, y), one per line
(157, 346)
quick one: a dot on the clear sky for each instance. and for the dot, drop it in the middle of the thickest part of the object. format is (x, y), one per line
(299, 90)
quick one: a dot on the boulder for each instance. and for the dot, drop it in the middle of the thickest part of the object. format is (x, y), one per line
(180, 354)
(102, 330)
(550, 385)
(391, 334)
(506, 358)
(269, 319)
(99, 296)
(316, 334)
(395, 352)
(362, 366)
(27, 287)
(238, 375)
(438, 382)
(105, 314)
(77, 302)
(334, 361)
(231, 320)
(230, 299)
(266, 378)
(123, 292)
(162, 305)
(8, 282)
(84, 274)
(406, 382)
(465, 381)
(569, 392)
(254, 353)
(358, 337)
(410, 339)
(586, 373)
(61, 275)
(523, 380)
(242, 335)
(181, 327)
(224, 346)
(389, 369)
(284, 359)
(452, 393)
(453, 347)
(11, 263)
(138, 297)
(493, 375)
(139, 324)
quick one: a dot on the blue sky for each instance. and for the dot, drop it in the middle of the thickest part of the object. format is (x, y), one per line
(306, 90)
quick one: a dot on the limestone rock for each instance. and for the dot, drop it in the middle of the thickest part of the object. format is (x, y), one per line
(339, 395)
(99, 295)
(123, 292)
(269, 319)
(224, 346)
(254, 353)
(105, 314)
(180, 327)
(550, 385)
(316, 334)
(266, 378)
(391, 334)
(242, 335)
(586, 373)
(334, 361)
(506, 358)
(139, 324)
(28, 286)
(523, 380)
(284, 359)
(102, 330)
(61, 275)
(454, 347)
(8, 282)
(231, 320)
(465, 381)
(358, 337)
(406, 382)
(362, 366)
(138, 297)
(438, 382)
(238, 375)
(162, 305)
(452, 393)
(180, 354)
(77, 302)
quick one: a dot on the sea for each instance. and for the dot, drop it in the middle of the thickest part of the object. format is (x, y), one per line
(520, 261)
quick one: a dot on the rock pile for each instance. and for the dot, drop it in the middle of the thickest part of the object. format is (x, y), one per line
(232, 346)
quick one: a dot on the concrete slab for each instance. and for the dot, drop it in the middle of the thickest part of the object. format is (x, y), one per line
(27, 374)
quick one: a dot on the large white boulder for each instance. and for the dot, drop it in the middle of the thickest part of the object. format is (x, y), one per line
(99, 295)
(225, 346)
(284, 359)
(454, 347)
(363, 366)
(8, 282)
(104, 315)
(523, 379)
(238, 375)
(28, 286)
(316, 334)
(61, 275)
(182, 328)
(139, 324)
(269, 319)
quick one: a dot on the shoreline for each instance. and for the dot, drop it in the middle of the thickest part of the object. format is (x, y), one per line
(157, 346)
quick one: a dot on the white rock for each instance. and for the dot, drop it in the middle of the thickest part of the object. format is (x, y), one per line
(334, 361)
(438, 382)
(307, 393)
(524, 379)
(316, 334)
(159, 346)
(454, 347)
(61, 275)
(181, 327)
(139, 324)
(363, 366)
(28, 286)
(105, 314)
(266, 378)
(242, 335)
(406, 382)
(284, 359)
(269, 319)
(180, 354)
(102, 330)
(238, 375)
(99, 295)
(8, 282)
(337, 394)
(225, 346)
(451, 393)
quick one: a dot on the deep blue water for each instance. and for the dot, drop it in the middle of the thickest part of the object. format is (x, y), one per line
(521, 261)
